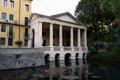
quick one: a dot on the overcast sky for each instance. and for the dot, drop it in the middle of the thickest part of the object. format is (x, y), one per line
(51, 7)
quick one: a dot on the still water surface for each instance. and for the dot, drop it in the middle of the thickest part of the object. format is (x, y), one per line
(69, 70)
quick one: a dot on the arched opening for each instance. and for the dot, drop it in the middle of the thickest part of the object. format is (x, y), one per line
(84, 60)
(68, 59)
(57, 57)
(77, 58)
(83, 55)
(77, 55)
(47, 58)
(33, 38)
(57, 60)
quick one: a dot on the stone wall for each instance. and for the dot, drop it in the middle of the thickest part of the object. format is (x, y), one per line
(21, 58)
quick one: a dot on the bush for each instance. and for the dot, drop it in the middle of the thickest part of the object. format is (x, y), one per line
(19, 43)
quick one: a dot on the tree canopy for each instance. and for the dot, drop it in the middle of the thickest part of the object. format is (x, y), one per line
(111, 5)
(103, 21)
(90, 13)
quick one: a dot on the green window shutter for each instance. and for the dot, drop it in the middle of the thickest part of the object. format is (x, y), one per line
(26, 32)
(11, 31)
(26, 20)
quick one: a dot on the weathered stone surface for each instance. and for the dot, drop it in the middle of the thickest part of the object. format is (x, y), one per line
(21, 58)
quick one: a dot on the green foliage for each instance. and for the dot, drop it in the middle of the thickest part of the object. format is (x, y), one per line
(90, 13)
(19, 43)
(111, 5)
(98, 15)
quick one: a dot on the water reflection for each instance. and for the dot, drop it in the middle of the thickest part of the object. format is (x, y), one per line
(67, 62)
(57, 63)
(77, 61)
(65, 70)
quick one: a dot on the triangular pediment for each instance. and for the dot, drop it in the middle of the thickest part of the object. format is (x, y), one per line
(33, 17)
(65, 17)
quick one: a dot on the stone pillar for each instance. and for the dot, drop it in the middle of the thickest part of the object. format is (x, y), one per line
(60, 36)
(30, 40)
(85, 38)
(71, 39)
(40, 33)
(79, 38)
(51, 34)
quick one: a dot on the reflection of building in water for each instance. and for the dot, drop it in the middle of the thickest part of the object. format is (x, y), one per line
(59, 35)
(72, 72)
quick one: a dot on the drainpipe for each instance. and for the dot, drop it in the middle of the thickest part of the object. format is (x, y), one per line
(19, 18)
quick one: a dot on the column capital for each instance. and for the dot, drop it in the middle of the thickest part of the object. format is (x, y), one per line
(39, 22)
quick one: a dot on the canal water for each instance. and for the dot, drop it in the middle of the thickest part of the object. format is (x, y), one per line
(65, 70)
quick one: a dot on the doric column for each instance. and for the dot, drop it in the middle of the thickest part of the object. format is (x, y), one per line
(79, 38)
(60, 36)
(71, 39)
(85, 38)
(40, 33)
(51, 34)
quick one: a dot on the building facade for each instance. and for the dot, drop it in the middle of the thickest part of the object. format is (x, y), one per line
(61, 36)
(14, 15)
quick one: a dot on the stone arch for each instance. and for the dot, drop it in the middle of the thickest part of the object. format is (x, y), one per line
(47, 58)
(57, 60)
(68, 59)
(57, 57)
(67, 56)
(33, 38)
(77, 58)
(84, 55)
(84, 58)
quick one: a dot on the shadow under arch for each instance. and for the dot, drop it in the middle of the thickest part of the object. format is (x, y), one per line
(84, 58)
(47, 58)
(57, 60)
(77, 58)
(67, 59)
(33, 38)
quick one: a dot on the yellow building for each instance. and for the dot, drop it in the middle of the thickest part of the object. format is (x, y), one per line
(14, 16)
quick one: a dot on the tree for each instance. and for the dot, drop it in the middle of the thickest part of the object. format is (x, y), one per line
(111, 5)
(18, 43)
(90, 13)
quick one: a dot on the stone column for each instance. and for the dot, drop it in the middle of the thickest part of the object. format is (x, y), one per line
(40, 33)
(60, 36)
(51, 34)
(71, 39)
(85, 38)
(30, 40)
(79, 38)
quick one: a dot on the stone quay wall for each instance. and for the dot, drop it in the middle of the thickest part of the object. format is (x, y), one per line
(21, 58)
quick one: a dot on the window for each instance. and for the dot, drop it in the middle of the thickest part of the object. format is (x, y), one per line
(4, 2)
(26, 7)
(11, 31)
(26, 20)
(26, 32)
(3, 28)
(2, 41)
(25, 42)
(3, 15)
(11, 3)
(11, 17)
(10, 41)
